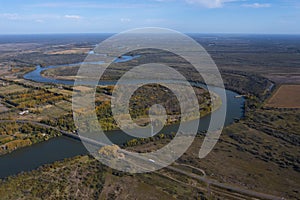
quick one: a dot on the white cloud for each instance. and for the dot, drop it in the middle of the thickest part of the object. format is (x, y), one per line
(10, 16)
(72, 16)
(210, 3)
(125, 20)
(83, 4)
(39, 18)
(257, 5)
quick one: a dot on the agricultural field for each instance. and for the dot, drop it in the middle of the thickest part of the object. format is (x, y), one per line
(287, 96)
(31, 98)
(58, 109)
(61, 91)
(69, 51)
(22, 101)
(259, 152)
(11, 88)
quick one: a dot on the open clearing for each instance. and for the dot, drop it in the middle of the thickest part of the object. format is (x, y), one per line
(59, 109)
(9, 89)
(71, 51)
(287, 96)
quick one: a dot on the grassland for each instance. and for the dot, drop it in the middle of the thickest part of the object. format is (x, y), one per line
(287, 96)
(244, 157)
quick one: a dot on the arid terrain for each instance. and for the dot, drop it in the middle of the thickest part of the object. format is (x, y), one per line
(287, 96)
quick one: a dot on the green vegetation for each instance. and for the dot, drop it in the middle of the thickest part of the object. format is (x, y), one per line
(85, 178)
(247, 83)
(13, 135)
(146, 96)
(259, 152)
(29, 103)
(64, 122)
(47, 105)
(261, 147)
(76, 178)
(32, 98)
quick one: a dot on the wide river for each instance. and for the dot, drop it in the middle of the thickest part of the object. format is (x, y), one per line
(59, 148)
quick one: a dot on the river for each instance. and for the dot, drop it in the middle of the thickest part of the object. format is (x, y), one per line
(59, 148)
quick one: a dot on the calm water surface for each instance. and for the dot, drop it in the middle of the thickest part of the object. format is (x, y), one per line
(59, 148)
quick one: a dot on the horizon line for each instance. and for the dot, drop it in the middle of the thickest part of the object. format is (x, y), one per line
(112, 33)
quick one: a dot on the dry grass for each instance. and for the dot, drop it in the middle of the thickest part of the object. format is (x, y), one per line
(284, 78)
(82, 88)
(9, 89)
(3, 108)
(61, 91)
(287, 96)
(70, 51)
(59, 109)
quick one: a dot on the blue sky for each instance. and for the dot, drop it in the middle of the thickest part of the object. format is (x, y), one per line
(189, 16)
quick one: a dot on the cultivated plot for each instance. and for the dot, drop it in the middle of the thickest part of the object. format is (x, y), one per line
(287, 96)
